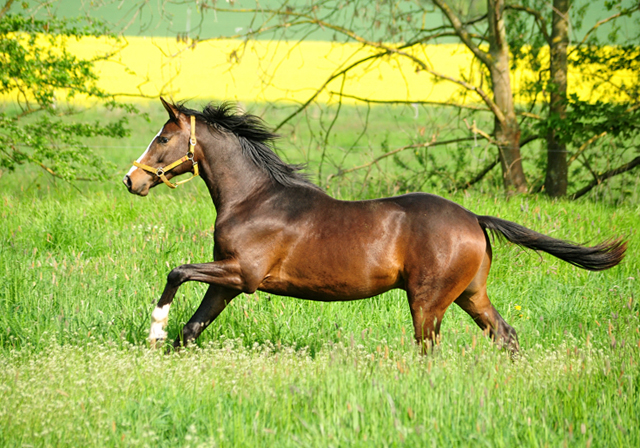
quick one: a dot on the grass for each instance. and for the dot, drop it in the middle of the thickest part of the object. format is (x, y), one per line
(82, 272)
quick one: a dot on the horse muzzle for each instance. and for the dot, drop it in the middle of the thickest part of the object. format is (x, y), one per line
(141, 189)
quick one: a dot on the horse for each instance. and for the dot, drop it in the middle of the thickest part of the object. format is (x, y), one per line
(277, 232)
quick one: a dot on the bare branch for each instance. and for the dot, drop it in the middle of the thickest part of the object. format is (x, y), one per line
(5, 8)
(308, 20)
(386, 50)
(540, 21)
(584, 146)
(524, 113)
(431, 143)
(529, 139)
(474, 129)
(433, 103)
(464, 35)
(478, 177)
(444, 27)
(323, 86)
(488, 101)
(328, 133)
(443, 34)
(602, 22)
(604, 176)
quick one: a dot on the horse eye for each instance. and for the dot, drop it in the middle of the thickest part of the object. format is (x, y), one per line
(163, 140)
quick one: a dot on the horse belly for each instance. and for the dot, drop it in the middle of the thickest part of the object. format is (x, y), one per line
(344, 273)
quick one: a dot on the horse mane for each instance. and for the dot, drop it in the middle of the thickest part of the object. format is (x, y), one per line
(255, 137)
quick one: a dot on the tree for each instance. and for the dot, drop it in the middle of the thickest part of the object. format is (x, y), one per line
(396, 19)
(506, 128)
(37, 77)
(573, 122)
(556, 178)
(500, 34)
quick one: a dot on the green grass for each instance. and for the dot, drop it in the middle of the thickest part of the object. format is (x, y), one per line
(81, 272)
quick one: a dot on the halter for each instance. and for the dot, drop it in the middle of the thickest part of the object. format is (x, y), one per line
(160, 172)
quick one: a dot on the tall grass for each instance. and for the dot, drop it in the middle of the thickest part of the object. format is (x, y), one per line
(81, 272)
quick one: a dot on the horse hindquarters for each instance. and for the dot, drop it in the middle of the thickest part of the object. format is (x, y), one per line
(445, 258)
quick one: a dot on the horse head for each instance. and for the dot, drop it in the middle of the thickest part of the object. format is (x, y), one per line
(166, 155)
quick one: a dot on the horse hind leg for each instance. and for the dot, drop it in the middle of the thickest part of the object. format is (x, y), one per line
(213, 303)
(430, 293)
(475, 301)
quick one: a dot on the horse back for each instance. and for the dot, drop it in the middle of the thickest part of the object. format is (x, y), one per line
(320, 248)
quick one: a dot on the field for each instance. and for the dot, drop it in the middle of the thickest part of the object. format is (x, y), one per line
(82, 270)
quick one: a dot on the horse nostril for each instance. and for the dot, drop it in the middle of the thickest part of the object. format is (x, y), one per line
(127, 182)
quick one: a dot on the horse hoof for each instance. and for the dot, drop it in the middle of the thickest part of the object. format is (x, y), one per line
(156, 342)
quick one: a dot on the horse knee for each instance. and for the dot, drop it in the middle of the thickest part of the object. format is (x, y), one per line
(177, 276)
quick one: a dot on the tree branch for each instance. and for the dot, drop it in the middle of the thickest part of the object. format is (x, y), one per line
(434, 103)
(529, 139)
(444, 27)
(540, 21)
(464, 35)
(5, 8)
(604, 176)
(602, 22)
(41, 165)
(433, 142)
(478, 177)
(584, 146)
(481, 93)
(444, 34)
(322, 87)
(473, 128)
(386, 51)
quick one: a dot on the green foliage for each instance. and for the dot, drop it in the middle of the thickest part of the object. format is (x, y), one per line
(38, 79)
(619, 118)
(587, 119)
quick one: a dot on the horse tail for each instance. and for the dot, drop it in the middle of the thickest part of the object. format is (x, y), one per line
(596, 258)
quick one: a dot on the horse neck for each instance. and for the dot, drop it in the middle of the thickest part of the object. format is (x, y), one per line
(230, 177)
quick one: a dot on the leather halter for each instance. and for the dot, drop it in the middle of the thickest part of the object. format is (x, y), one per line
(160, 172)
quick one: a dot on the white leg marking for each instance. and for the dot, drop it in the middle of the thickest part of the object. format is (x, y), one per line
(144, 153)
(159, 319)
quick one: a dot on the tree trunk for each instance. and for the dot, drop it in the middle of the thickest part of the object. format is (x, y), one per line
(507, 130)
(557, 170)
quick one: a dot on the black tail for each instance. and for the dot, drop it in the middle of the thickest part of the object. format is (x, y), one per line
(597, 258)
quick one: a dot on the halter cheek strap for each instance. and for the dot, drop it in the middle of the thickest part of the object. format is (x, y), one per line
(160, 172)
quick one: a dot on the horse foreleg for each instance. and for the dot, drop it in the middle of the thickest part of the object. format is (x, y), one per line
(213, 303)
(160, 316)
(224, 274)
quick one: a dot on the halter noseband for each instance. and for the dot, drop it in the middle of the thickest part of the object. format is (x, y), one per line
(160, 172)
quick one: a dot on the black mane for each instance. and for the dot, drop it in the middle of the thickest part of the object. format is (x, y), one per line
(256, 140)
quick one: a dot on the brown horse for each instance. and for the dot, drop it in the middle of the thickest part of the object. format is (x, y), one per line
(279, 233)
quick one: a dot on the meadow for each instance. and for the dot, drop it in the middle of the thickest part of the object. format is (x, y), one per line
(82, 269)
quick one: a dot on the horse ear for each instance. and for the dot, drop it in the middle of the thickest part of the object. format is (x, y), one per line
(173, 111)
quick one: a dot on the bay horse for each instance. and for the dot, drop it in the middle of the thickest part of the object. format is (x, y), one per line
(277, 232)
